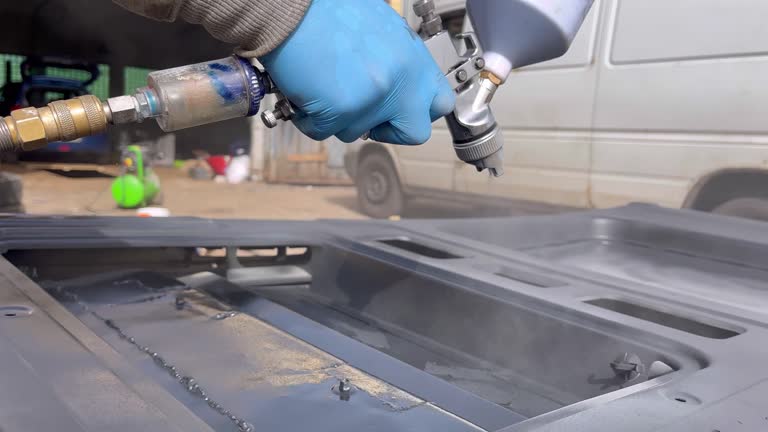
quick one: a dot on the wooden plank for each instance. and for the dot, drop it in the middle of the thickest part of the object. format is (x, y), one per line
(316, 181)
(104, 169)
(307, 158)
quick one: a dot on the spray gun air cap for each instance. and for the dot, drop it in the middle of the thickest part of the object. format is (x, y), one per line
(484, 152)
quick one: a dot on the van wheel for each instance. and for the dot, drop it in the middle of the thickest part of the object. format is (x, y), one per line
(750, 208)
(379, 194)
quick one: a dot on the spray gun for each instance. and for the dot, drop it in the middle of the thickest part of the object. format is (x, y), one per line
(515, 33)
(477, 137)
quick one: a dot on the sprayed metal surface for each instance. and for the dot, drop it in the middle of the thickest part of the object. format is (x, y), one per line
(84, 377)
(189, 383)
(229, 367)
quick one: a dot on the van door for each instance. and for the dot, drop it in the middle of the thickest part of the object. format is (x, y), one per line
(683, 92)
(546, 112)
(428, 166)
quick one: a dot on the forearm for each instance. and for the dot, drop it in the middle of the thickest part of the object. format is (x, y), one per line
(257, 26)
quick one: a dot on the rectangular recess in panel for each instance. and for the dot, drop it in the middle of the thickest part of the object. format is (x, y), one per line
(419, 249)
(665, 319)
(529, 278)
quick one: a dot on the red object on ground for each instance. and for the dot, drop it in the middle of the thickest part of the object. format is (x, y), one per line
(218, 164)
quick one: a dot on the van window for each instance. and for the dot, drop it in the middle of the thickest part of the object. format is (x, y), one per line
(649, 31)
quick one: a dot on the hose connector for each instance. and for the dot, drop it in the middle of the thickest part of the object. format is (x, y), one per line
(33, 128)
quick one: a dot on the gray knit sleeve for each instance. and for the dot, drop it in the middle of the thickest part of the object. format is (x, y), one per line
(257, 26)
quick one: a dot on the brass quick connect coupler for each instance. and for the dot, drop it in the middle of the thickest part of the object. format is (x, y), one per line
(67, 120)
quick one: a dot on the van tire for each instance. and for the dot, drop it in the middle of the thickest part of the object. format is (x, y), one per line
(739, 192)
(750, 208)
(379, 194)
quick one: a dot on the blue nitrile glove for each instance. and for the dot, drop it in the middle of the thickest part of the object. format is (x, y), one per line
(354, 66)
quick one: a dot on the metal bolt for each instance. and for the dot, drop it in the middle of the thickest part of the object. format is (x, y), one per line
(344, 389)
(431, 23)
(479, 63)
(461, 76)
(423, 7)
(269, 118)
(628, 367)
(284, 109)
(344, 386)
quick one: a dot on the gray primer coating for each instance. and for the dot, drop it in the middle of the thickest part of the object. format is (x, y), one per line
(553, 310)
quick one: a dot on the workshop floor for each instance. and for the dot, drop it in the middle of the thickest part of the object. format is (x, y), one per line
(46, 193)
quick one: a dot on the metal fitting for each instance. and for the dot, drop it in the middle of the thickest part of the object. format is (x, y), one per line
(344, 389)
(479, 63)
(270, 119)
(33, 128)
(490, 76)
(143, 106)
(628, 367)
(423, 7)
(283, 111)
(123, 110)
(462, 76)
(431, 24)
(29, 127)
(6, 140)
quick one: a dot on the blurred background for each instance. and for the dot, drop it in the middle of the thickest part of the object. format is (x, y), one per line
(659, 102)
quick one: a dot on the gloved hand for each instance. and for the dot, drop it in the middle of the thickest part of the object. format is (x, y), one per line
(354, 66)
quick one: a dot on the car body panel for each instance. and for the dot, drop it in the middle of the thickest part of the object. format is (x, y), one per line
(542, 312)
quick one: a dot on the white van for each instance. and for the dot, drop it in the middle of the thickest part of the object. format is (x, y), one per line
(657, 101)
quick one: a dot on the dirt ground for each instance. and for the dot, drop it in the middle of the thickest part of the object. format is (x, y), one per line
(47, 193)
